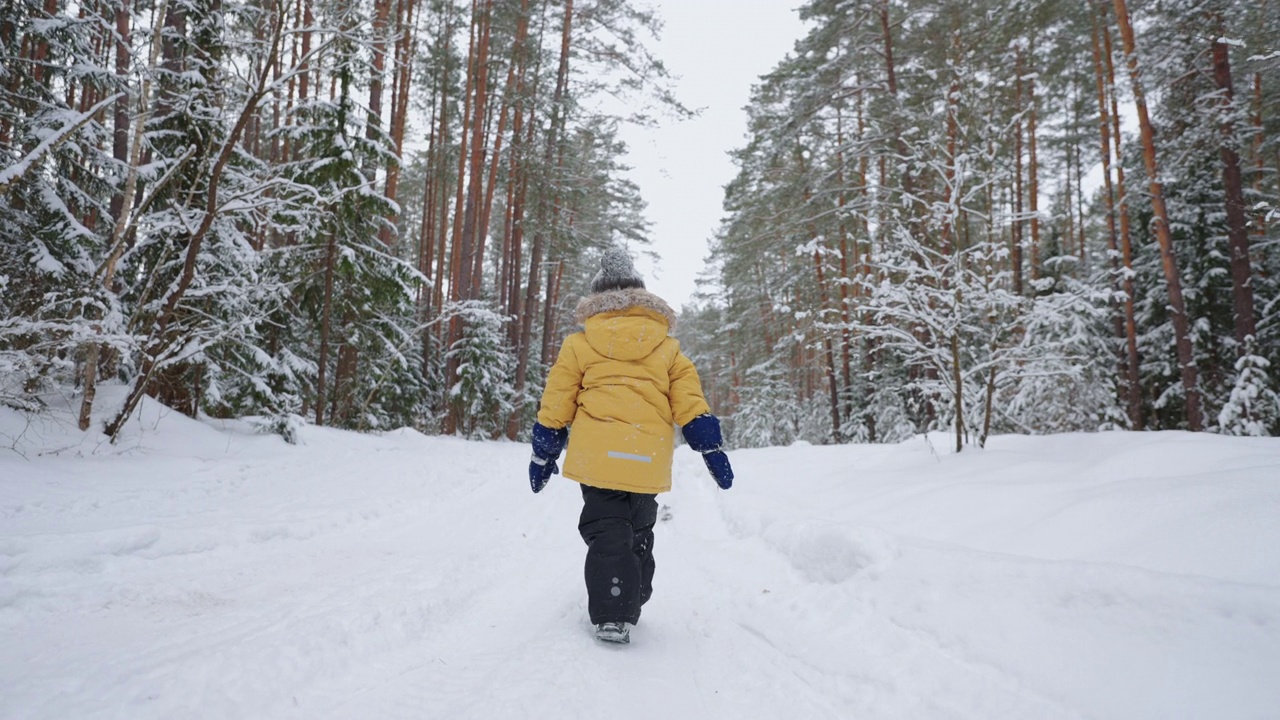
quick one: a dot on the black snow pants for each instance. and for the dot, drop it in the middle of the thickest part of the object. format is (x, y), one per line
(618, 529)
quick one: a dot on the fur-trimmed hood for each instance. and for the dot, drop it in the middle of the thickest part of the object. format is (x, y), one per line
(625, 324)
(617, 300)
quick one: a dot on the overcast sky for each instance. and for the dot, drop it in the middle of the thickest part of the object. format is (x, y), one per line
(717, 48)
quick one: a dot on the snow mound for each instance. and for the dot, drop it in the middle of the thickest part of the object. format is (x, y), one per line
(202, 569)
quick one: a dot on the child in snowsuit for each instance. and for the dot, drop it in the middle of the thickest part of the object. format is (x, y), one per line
(622, 385)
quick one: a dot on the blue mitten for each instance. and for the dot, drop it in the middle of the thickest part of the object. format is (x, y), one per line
(718, 463)
(540, 471)
(703, 435)
(547, 444)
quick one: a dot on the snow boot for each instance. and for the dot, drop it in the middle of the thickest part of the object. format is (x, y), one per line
(614, 632)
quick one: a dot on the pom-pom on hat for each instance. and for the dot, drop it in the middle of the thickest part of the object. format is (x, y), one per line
(616, 272)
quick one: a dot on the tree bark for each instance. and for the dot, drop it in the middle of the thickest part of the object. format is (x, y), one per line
(1125, 326)
(535, 254)
(823, 305)
(439, 175)
(41, 50)
(1177, 306)
(550, 304)
(1260, 165)
(891, 83)
(404, 52)
(846, 359)
(373, 125)
(953, 132)
(891, 76)
(326, 323)
(1078, 158)
(510, 97)
(120, 134)
(1015, 256)
(1233, 184)
(1033, 172)
(457, 254)
(433, 187)
(1126, 234)
(472, 236)
(957, 380)
(304, 62)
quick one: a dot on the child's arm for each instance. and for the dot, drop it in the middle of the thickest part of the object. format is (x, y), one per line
(687, 400)
(559, 403)
(701, 429)
(560, 397)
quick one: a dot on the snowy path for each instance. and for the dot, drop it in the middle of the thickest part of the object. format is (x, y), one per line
(211, 574)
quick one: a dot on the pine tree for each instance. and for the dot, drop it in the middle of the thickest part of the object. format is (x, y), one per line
(1254, 406)
(482, 393)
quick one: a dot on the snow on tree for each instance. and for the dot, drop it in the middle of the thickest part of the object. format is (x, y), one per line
(1254, 406)
(482, 392)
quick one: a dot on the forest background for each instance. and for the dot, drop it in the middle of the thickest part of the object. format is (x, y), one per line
(380, 213)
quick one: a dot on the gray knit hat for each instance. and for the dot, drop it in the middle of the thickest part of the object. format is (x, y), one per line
(616, 272)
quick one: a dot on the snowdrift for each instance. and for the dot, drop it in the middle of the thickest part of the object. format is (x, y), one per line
(205, 570)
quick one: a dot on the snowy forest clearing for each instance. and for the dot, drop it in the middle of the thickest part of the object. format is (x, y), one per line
(200, 570)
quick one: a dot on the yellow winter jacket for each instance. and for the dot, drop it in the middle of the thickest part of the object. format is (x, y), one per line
(620, 384)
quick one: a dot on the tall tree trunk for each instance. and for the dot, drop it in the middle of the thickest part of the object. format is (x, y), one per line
(432, 191)
(824, 304)
(957, 380)
(535, 253)
(41, 51)
(120, 134)
(1126, 234)
(1078, 158)
(833, 385)
(1260, 165)
(304, 62)
(467, 241)
(255, 133)
(377, 75)
(504, 269)
(550, 305)
(460, 189)
(472, 236)
(1133, 387)
(120, 212)
(1070, 230)
(1237, 224)
(865, 261)
(891, 84)
(1033, 171)
(510, 97)
(520, 174)
(440, 185)
(949, 242)
(453, 330)
(344, 373)
(1177, 306)
(953, 133)
(348, 365)
(1015, 256)
(891, 75)
(326, 325)
(846, 361)
(404, 52)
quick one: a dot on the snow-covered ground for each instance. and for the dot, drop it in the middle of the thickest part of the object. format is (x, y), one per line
(200, 570)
